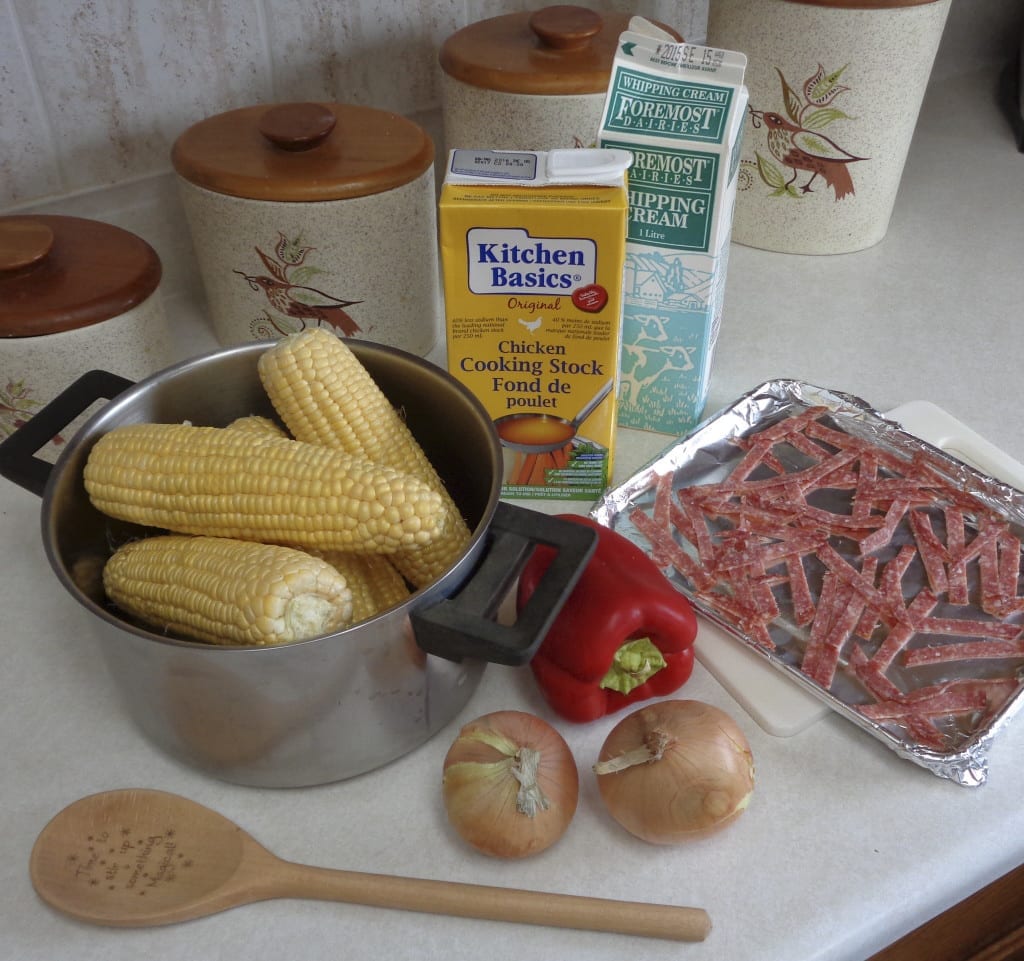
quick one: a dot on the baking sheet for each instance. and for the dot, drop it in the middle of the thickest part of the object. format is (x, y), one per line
(711, 453)
(770, 697)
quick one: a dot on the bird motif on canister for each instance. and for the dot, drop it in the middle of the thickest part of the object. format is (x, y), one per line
(801, 149)
(288, 294)
(305, 303)
(796, 140)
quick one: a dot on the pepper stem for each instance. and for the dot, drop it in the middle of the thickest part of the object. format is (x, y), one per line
(653, 748)
(530, 798)
(634, 663)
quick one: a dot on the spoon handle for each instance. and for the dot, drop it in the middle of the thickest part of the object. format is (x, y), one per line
(493, 903)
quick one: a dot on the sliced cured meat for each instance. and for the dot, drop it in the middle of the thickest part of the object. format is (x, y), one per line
(842, 556)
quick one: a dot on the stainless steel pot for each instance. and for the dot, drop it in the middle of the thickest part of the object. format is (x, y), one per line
(335, 706)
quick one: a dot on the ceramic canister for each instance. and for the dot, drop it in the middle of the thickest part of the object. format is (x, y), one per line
(314, 215)
(75, 295)
(528, 81)
(835, 90)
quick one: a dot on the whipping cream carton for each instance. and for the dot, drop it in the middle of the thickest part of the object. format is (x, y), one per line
(532, 251)
(679, 109)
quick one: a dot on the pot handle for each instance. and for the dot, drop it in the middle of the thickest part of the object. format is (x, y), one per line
(464, 625)
(18, 462)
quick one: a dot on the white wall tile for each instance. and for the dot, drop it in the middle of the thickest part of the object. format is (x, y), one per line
(362, 51)
(27, 160)
(119, 80)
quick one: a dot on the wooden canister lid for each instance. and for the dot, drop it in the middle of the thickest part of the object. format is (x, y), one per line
(553, 51)
(303, 152)
(60, 273)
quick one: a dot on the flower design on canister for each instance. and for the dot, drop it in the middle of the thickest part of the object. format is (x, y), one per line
(796, 141)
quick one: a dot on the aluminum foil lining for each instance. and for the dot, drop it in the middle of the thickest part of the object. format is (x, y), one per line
(874, 569)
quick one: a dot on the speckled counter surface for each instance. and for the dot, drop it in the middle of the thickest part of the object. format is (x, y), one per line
(845, 847)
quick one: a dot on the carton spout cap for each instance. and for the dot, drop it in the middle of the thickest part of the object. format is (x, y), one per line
(588, 165)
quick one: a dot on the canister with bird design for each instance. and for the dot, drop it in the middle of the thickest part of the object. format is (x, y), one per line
(835, 91)
(314, 215)
(529, 80)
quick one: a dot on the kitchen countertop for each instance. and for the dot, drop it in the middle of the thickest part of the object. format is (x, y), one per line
(845, 846)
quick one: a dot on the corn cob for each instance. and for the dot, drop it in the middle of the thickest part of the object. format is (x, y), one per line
(325, 396)
(258, 426)
(227, 591)
(217, 481)
(373, 580)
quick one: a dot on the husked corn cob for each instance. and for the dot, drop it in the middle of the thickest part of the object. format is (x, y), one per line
(373, 580)
(217, 481)
(326, 396)
(227, 591)
(258, 426)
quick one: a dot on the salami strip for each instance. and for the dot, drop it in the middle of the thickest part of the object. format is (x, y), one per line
(1009, 572)
(807, 446)
(881, 537)
(887, 489)
(922, 605)
(965, 627)
(988, 573)
(828, 604)
(758, 450)
(842, 441)
(997, 690)
(924, 732)
(664, 547)
(867, 474)
(933, 553)
(693, 526)
(956, 569)
(962, 651)
(795, 423)
(874, 680)
(841, 629)
(941, 704)
(800, 591)
(750, 622)
(663, 501)
(890, 586)
(831, 558)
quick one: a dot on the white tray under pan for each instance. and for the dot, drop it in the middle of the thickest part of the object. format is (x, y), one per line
(774, 701)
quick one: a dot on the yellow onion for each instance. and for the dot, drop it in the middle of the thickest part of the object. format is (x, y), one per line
(510, 784)
(675, 770)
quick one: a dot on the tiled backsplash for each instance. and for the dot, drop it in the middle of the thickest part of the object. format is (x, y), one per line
(94, 92)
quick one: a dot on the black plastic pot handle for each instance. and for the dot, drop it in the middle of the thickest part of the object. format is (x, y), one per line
(464, 626)
(18, 462)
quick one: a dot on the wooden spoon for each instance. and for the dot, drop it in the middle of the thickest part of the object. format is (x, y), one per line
(135, 857)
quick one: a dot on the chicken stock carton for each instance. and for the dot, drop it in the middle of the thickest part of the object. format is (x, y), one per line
(679, 109)
(532, 251)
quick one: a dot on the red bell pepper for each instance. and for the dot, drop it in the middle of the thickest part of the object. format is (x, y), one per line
(624, 634)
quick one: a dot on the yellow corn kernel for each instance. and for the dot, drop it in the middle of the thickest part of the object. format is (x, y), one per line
(216, 481)
(324, 395)
(226, 591)
(258, 426)
(373, 580)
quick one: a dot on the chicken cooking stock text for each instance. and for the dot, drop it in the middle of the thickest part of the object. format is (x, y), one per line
(532, 374)
(521, 267)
